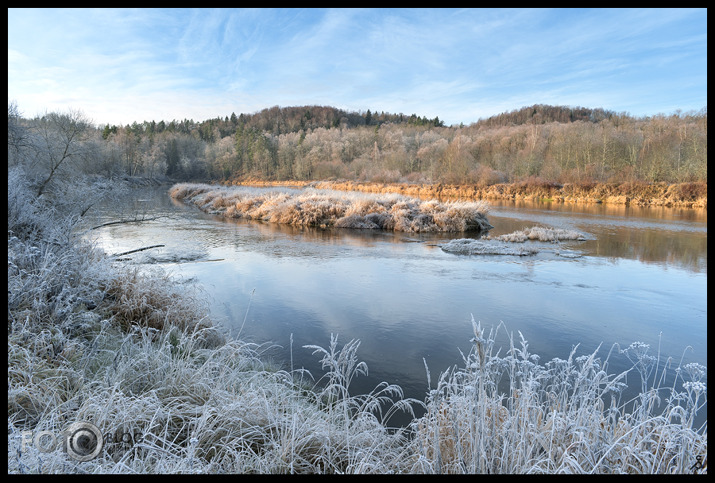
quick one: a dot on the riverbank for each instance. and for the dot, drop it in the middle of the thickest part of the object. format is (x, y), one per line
(682, 195)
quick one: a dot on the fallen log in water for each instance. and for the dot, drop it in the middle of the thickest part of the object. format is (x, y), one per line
(137, 250)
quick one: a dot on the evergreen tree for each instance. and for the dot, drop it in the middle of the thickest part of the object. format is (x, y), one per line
(173, 161)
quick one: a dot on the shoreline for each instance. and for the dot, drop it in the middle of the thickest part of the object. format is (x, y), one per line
(676, 195)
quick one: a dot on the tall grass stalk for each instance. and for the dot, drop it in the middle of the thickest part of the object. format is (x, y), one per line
(509, 414)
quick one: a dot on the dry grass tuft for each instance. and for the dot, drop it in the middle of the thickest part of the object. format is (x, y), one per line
(539, 233)
(152, 300)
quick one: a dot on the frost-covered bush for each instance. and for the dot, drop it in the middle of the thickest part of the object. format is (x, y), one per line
(27, 217)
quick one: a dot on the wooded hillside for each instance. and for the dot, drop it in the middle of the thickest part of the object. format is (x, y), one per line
(557, 144)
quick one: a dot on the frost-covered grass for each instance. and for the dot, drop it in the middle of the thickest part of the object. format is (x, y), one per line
(331, 208)
(199, 410)
(503, 244)
(543, 234)
(136, 354)
(510, 414)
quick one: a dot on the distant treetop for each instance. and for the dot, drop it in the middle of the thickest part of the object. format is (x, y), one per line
(542, 114)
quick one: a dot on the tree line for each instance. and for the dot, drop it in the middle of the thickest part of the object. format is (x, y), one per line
(555, 143)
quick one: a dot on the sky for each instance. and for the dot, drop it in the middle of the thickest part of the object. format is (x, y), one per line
(119, 66)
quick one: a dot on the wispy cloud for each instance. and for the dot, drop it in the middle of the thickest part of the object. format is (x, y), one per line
(134, 64)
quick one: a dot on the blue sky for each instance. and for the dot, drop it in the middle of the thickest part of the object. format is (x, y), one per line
(120, 66)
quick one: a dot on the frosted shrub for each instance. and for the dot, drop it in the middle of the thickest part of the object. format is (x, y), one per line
(32, 218)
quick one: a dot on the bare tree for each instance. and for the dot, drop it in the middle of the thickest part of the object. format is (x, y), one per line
(57, 142)
(17, 134)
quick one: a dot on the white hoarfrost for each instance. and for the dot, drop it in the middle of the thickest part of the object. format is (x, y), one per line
(538, 233)
(469, 246)
(503, 244)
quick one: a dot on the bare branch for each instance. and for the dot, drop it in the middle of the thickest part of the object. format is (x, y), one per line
(133, 220)
(137, 250)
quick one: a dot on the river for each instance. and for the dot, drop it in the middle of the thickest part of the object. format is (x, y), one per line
(640, 275)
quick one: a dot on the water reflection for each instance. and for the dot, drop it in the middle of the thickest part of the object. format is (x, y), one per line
(668, 236)
(655, 213)
(653, 246)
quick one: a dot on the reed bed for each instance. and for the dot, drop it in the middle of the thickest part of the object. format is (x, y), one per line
(322, 208)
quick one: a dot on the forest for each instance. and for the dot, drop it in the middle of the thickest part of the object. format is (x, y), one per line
(556, 144)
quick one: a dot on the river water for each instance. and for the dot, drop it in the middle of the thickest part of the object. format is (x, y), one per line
(640, 275)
